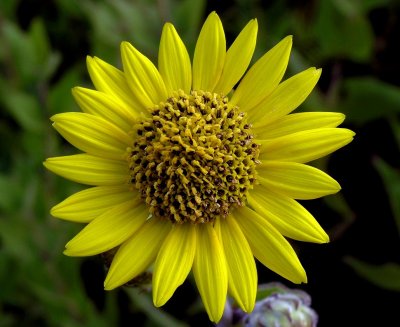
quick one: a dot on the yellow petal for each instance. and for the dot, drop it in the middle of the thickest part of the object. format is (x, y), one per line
(296, 180)
(109, 229)
(143, 77)
(173, 61)
(298, 122)
(269, 246)
(242, 272)
(105, 106)
(110, 80)
(287, 216)
(210, 271)
(92, 134)
(136, 254)
(238, 58)
(86, 205)
(173, 262)
(263, 76)
(306, 145)
(209, 54)
(286, 97)
(89, 170)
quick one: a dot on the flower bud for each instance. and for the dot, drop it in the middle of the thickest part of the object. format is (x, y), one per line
(282, 307)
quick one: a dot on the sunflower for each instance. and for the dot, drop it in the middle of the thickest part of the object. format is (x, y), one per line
(192, 174)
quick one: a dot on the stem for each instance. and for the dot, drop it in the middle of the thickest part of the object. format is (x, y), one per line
(159, 317)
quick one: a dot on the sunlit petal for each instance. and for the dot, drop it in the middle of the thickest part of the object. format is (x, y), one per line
(269, 246)
(105, 106)
(143, 78)
(173, 262)
(286, 97)
(209, 54)
(137, 253)
(86, 205)
(92, 134)
(210, 271)
(173, 61)
(296, 180)
(242, 272)
(287, 216)
(108, 79)
(89, 170)
(263, 77)
(108, 230)
(238, 58)
(306, 145)
(297, 123)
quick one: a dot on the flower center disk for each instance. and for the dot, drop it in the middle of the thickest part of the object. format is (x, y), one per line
(194, 159)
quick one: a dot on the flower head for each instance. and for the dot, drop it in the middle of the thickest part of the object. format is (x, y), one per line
(190, 174)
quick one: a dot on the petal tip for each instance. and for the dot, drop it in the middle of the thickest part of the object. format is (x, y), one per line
(159, 301)
(253, 23)
(75, 90)
(340, 117)
(327, 239)
(68, 252)
(72, 251)
(97, 59)
(109, 286)
(323, 237)
(302, 277)
(54, 210)
(125, 45)
(248, 306)
(213, 18)
(289, 39)
(54, 117)
(169, 26)
(215, 317)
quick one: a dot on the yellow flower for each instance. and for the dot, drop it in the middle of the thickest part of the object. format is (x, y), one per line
(190, 174)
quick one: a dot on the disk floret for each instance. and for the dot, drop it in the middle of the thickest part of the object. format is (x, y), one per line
(194, 158)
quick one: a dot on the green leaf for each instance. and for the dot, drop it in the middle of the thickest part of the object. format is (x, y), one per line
(20, 51)
(16, 236)
(391, 179)
(338, 204)
(23, 107)
(29, 55)
(395, 125)
(386, 276)
(142, 302)
(8, 8)
(9, 193)
(46, 61)
(187, 17)
(347, 8)
(39, 38)
(367, 98)
(60, 98)
(368, 5)
(343, 30)
(114, 21)
(141, 23)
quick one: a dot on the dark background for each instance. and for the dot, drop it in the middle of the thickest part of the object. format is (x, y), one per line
(353, 281)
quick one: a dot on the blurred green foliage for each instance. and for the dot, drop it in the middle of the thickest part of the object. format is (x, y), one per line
(42, 56)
